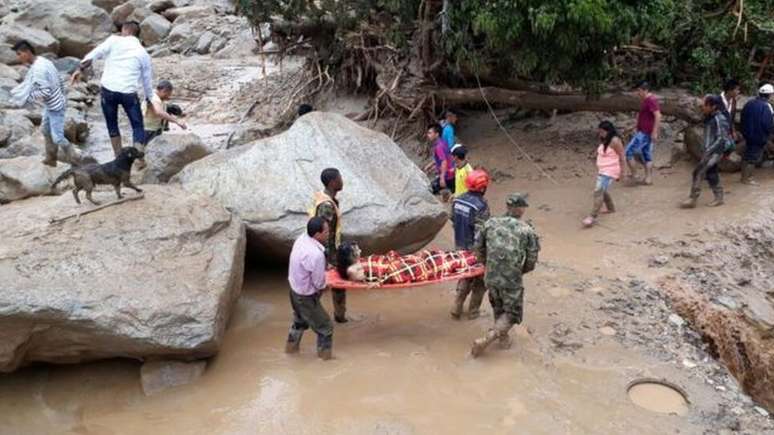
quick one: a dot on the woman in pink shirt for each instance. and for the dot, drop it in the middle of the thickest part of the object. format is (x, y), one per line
(610, 161)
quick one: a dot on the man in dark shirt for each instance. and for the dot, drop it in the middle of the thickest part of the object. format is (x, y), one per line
(756, 128)
(469, 212)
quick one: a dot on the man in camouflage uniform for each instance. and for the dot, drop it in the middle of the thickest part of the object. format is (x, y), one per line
(326, 206)
(509, 247)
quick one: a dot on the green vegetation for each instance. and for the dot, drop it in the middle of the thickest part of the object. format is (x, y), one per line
(695, 43)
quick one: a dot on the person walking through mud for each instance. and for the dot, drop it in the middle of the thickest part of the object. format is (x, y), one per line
(610, 163)
(717, 143)
(641, 145)
(326, 206)
(757, 124)
(306, 275)
(442, 161)
(126, 63)
(469, 213)
(509, 248)
(42, 83)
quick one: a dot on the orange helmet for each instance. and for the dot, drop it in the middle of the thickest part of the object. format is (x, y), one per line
(477, 181)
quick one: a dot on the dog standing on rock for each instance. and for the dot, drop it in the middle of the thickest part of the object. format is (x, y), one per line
(115, 173)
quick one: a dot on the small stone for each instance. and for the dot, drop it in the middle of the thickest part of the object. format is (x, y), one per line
(727, 302)
(761, 411)
(688, 364)
(737, 410)
(607, 330)
(659, 260)
(676, 320)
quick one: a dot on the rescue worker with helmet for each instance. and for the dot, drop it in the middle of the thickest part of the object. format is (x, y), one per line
(469, 213)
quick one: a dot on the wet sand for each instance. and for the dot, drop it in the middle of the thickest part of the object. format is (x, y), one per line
(402, 367)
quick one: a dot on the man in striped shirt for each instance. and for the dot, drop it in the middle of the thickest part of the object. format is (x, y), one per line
(42, 83)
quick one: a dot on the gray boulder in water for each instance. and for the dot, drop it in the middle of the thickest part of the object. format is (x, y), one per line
(269, 183)
(155, 277)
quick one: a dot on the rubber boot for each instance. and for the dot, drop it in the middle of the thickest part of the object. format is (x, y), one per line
(718, 201)
(292, 346)
(325, 354)
(116, 143)
(51, 151)
(504, 342)
(747, 171)
(480, 344)
(474, 306)
(456, 311)
(140, 163)
(689, 203)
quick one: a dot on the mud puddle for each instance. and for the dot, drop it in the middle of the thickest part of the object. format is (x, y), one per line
(658, 396)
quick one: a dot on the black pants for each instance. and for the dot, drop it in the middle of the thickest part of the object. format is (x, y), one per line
(436, 185)
(707, 169)
(152, 134)
(308, 312)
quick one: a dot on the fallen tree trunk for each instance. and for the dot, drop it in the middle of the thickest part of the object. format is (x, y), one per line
(681, 106)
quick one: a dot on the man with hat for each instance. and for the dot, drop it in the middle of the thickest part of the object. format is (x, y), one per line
(469, 213)
(509, 247)
(756, 127)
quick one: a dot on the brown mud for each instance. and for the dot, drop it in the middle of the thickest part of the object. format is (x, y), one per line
(595, 321)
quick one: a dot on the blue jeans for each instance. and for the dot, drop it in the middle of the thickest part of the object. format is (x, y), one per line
(131, 104)
(53, 124)
(640, 145)
(603, 183)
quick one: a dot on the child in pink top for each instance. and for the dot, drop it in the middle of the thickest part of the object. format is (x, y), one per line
(610, 161)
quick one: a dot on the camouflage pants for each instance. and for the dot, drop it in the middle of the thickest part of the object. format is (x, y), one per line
(507, 303)
(308, 312)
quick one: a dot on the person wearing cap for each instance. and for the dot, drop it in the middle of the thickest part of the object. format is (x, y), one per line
(469, 213)
(756, 127)
(717, 142)
(462, 169)
(610, 163)
(509, 248)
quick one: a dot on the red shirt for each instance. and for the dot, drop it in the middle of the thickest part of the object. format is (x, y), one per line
(646, 120)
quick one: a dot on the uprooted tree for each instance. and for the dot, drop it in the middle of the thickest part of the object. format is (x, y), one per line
(415, 56)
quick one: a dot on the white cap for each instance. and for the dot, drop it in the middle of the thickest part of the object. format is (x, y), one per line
(456, 145)
(766, 89)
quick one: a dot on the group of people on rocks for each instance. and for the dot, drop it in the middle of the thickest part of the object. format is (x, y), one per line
(126, 64)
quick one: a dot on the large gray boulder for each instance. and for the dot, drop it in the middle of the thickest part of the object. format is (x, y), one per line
(23, 177)
(106, 5)
(77, 24)
(41, 40)
(154, 28)
(270, 183)
(168, 154)
(155, 277)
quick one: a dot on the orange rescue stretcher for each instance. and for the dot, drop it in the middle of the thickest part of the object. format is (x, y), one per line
(335, 281)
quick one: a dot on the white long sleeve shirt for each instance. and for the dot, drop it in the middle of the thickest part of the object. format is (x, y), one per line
(42, 83)
(126, 63)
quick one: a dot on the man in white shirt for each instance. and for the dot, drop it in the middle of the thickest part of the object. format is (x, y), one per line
(43, 84)
(126, 64)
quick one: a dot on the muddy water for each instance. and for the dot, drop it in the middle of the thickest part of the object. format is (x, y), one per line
(657, 397)
(401, 368)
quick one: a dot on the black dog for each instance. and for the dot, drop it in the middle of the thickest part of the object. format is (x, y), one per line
(115, 173)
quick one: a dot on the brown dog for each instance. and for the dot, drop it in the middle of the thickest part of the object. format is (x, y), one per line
(115, 173)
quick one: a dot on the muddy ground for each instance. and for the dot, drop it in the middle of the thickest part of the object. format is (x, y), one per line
(596, 319)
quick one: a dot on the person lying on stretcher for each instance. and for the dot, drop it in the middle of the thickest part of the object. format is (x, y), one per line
(393, 268)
